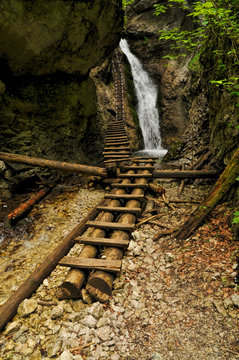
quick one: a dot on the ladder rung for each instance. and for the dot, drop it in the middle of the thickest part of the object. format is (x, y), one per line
(119, 209)
(125, 186)
(102, 241)
(110, 225)
(124, 196)
(117, 156)
(89, 263)
(116, 153)
(138, 167)
(135, 175)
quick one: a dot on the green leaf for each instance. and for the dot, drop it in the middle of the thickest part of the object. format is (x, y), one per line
(208, 4)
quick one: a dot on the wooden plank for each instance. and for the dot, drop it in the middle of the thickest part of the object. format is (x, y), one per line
(102, 241)
(117, 140)
(96, 264)
(138, 167)
(124, 196)
(122, 143)
(135, 176)
(125, 186)
(120, 209)
(115, 160)
(143, 161)
(182, 174)
(117, 156)
(146, 157)
(117, 148)
(119, 137)
(120, 152)
(110, 225)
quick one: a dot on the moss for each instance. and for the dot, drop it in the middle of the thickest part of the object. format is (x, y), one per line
(174, 152)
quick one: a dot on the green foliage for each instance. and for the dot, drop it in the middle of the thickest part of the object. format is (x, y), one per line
(215, 32)
(236, 217)
(125, 3)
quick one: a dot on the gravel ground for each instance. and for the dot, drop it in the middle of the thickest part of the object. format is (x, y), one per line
(172, 300)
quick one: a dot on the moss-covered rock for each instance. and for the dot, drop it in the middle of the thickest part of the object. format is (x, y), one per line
(42, 37)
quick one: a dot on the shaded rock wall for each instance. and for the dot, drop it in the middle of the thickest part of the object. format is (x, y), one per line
(48, 101)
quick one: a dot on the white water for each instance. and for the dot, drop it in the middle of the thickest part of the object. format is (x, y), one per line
(146, 92)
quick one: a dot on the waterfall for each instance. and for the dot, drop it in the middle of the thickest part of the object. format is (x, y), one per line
(146, 92)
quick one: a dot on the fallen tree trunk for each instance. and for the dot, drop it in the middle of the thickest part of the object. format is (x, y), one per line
(52, 164)
(182, 174)
(9, 308)
(219, 190)
(24, 208)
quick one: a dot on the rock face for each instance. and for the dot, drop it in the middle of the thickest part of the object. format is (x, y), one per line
(190, 110)
(48, 101)
(42, 37)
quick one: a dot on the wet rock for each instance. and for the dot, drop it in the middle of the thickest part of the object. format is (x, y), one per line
(56, 312)
(27, 307)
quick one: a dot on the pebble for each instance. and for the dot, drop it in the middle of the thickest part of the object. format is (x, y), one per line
(66, 355)
(12, 327)
(89, 321)
(56, 312)
(235, 299)
(104, 333)
(27, 307)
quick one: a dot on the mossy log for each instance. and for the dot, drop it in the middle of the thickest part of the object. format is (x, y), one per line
(52, 164)
(219, 190)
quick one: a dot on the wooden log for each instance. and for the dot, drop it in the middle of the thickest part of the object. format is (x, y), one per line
(219, 190)
(70, 288)
(90, 264)
(129, 186)
(137, 167)
(159, 190)
(102, 241)
(124, 196)
(24, 208)
(9, 308)
(100, 283)
(52, 164)
(164, 233)
(181, 174)
(135, 175)
(120, 209)
(110, 225)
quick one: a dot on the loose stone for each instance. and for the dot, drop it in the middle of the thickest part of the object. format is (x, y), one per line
(27, 307)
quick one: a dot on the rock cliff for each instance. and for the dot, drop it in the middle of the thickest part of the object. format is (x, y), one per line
(48, 100)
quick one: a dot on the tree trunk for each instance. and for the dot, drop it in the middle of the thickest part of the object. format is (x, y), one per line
(182, 174)
(52, 164)
(219, 190)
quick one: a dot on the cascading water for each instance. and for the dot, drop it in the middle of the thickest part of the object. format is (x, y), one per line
(146, 92)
